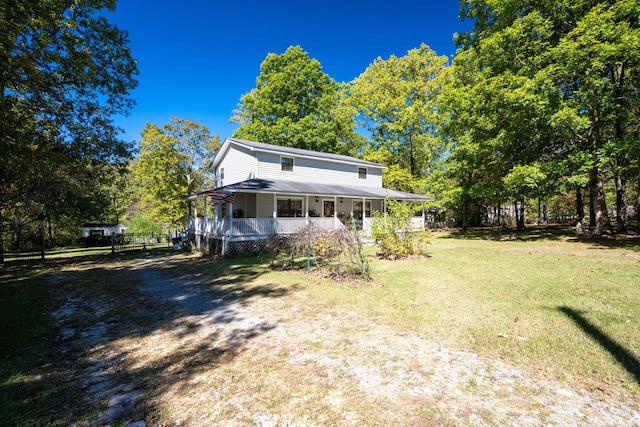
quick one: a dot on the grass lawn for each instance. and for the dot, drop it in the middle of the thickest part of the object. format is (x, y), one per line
(543, 301)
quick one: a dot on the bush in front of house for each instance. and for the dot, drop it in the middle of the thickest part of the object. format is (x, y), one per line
(334, 252)
(394, 234)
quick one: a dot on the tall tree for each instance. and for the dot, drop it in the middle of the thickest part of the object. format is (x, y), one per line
(395, 102)
(296, 104)
(65, 71)
(493, 111)
(173, 163)
(568, 62)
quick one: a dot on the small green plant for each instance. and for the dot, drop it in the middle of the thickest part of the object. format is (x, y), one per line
(394, 234)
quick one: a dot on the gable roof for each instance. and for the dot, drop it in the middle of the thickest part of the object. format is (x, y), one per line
(297, 152)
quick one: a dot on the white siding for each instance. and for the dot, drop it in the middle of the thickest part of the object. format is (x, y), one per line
(239, 164)
(312, 170)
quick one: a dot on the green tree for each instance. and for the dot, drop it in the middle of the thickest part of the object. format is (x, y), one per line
(173, 163)
(296, 104)
(537, 81)
(65, 71)
(142, 224)
(394, 100)
(524, 182)
(593, 64)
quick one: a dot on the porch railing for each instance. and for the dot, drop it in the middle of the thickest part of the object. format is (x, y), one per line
(250, 227)
(237, 227)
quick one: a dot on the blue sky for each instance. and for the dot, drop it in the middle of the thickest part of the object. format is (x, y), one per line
(197, 57)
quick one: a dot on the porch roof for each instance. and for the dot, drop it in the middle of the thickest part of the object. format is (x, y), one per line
(273, 186)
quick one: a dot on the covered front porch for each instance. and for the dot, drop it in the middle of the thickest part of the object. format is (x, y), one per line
(253, 210)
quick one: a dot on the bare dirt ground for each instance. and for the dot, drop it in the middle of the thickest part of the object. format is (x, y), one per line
(189, 355)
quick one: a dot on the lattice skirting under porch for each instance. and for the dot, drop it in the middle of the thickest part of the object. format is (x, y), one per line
(246, 247)
(217, 245)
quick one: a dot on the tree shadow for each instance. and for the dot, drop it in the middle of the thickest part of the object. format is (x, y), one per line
(624, 357)
(531, 233)
(551, 233)
(112, 307)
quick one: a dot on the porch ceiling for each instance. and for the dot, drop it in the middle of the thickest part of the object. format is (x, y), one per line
(271, 186)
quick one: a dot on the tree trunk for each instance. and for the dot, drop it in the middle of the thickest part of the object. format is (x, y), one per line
(519, 210)
(638, 201)
(602, 222)
(592, 209)
(539, 210)
(50, 231)
(465, 210)
(621, 205)
(579, 210)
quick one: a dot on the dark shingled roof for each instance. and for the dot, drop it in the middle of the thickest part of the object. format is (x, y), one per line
(301, 152)
(278, 186)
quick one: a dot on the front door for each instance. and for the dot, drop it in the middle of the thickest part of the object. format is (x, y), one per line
(329, 208)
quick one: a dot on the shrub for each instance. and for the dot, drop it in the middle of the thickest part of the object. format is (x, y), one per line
(394, 234)
(332, 251)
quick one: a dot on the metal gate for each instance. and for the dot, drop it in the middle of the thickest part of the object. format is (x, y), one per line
(20, 247)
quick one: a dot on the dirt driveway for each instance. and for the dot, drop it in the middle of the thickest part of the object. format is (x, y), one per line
(186, 354)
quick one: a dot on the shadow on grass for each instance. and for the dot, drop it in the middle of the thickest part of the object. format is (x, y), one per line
(118, 299)
(550, 233)
(624, 357)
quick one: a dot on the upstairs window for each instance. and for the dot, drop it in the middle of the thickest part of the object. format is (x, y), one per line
(286, 164)
(221, 173)
(362, 173)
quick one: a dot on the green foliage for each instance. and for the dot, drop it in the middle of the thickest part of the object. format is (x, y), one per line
(542, 85)
(394, 100)
(142, 224)
(393, 233)
(296, 104)
(173, 163)
(66, 71)
(524, 181)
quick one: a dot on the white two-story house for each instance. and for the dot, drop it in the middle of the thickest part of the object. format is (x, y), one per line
(263, 190)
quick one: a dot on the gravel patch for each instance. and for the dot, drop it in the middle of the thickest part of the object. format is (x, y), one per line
(331, 358)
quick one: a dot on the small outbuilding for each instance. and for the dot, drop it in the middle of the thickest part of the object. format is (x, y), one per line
(101, 230)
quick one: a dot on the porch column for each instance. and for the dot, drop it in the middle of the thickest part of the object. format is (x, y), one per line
(364, 211)
(275, 214)
(306, 202)
(230, 217)
(335, 211)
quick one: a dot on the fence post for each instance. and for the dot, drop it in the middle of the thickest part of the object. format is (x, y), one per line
(113, 243)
